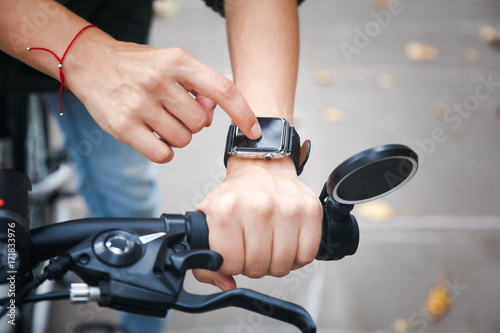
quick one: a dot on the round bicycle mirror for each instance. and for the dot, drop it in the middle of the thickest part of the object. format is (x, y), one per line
(372, 174)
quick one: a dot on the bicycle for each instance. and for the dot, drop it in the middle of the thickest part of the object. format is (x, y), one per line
(138, 265)
(25, 145)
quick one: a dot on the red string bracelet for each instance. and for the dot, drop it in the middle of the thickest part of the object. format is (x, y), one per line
(61, 74)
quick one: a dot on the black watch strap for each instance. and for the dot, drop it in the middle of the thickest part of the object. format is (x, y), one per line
(229, 143)
(299, 154)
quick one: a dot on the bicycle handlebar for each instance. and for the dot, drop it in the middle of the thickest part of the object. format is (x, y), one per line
(138, 265)
(178, 242)
(52, 240)
(338, 238)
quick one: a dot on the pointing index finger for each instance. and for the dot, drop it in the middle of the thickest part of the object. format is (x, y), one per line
(224, 92)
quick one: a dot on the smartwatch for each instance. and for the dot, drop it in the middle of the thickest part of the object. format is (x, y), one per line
(279, 139)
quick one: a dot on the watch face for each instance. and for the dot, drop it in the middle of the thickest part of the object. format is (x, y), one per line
(273, 137)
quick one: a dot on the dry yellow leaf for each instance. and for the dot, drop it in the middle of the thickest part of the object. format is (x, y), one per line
(438, 301)
(376, 211)
(471, 54)
(323, 77)
(380, 4)
(385, 80)
(414, 51)
(400, 325)
(420, 52)
(440, 110)
(333, 115)
(488, 34)
(430, 53)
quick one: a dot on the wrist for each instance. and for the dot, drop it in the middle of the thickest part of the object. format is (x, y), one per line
(87, 56)
(284, 166)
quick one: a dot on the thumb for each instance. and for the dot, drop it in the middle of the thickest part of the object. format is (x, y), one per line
(207, 104)
(223, 282)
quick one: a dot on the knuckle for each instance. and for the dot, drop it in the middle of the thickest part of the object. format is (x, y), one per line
(224, 206)
(182, 140)
(154, 79)
(264, 206)
(309, 208)
(304, 259)
(179, 55)
(290, 209)
(315, 211)
(255, 273)
(232, 267)
(235, 269)
(162, 156)
(201, 120)
(119, 128)
(279, 272)
(247, 115)
(227, 88)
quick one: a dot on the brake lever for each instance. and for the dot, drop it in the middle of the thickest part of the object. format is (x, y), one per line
(143, 272)
(239, 297)
(249, 300)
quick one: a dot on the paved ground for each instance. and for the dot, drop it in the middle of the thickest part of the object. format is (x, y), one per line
(445, 224)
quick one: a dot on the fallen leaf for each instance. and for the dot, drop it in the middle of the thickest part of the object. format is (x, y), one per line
(440, 110)
(323, 78)
(488, 34)
(400, 325)
(333, 115)
(385, 80)
(380, 4)
(438, 301)
(471, 54)
(376, 211)
(414, 51)
(420, 52)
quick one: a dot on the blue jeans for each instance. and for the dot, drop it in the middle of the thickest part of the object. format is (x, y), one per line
(114, 179)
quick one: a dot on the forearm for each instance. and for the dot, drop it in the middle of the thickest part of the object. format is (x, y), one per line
(261, 218)
(39, 23)
(263, 41)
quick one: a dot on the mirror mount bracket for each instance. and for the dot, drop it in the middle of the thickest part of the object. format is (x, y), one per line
(340, 233)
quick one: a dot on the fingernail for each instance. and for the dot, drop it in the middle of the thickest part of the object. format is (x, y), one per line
(256, 131)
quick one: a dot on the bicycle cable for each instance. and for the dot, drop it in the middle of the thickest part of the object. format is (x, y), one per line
(42, 297)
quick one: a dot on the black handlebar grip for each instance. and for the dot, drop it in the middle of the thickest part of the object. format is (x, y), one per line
(14, 191)
(197, 230)
(340, 234)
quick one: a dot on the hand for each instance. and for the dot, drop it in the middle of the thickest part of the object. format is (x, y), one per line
(136, 91)
(262, 220)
